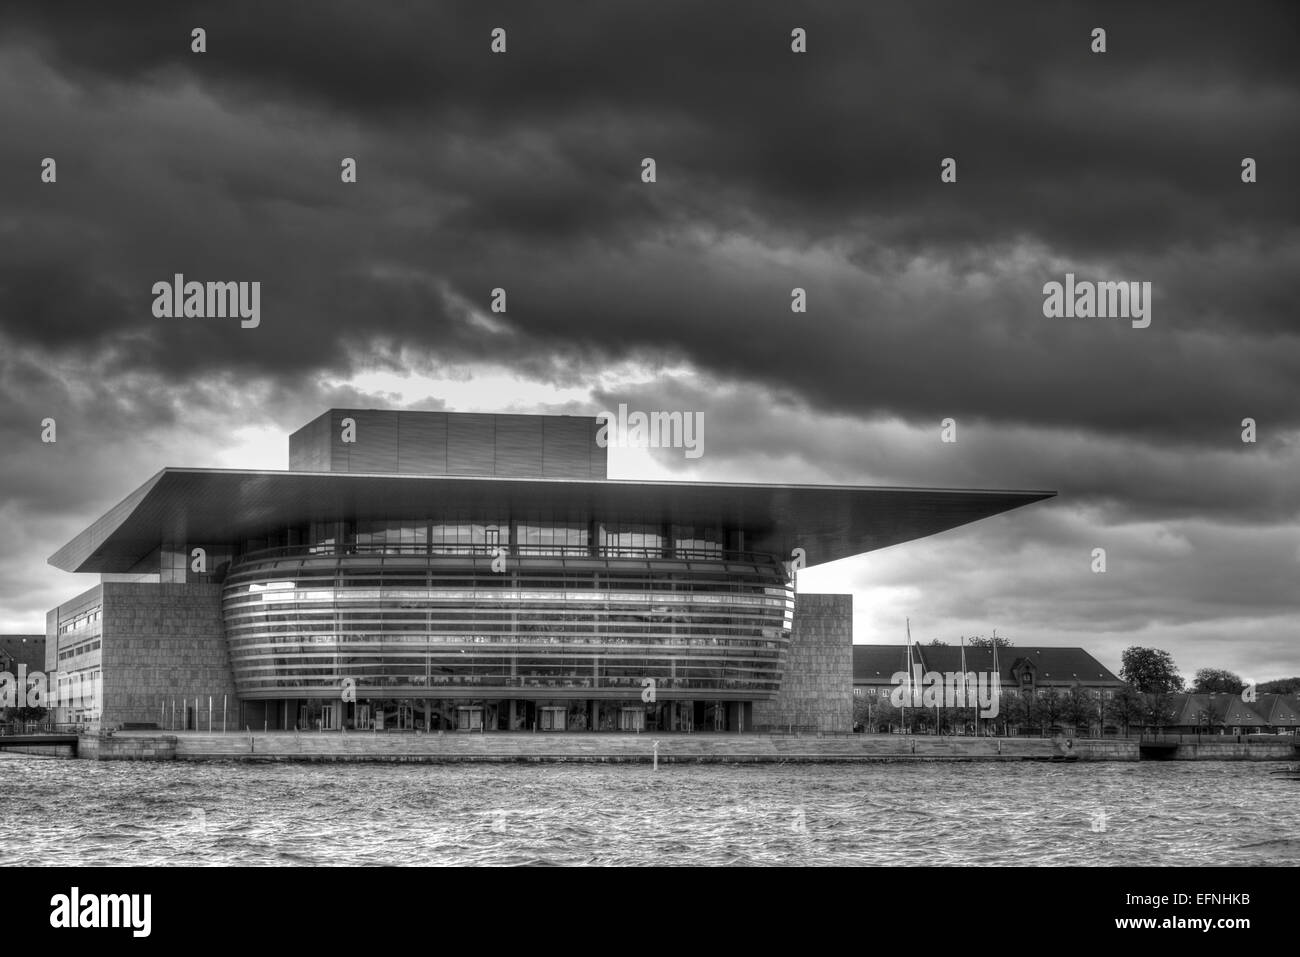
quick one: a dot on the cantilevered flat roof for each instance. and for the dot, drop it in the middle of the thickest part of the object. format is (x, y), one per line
(215, 507)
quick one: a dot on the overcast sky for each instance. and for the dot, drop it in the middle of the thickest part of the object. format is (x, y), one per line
(774, 170)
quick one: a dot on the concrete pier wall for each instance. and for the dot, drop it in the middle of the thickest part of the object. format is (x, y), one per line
(127, 747)
(1232, 751)
(454, 747)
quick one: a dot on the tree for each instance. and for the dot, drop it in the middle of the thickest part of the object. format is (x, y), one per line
(936, 643)
(873, 712)
(1079, 707)
(862, 711)
(1150, 670)
(885, 714)
(1279, 686)
(1216, 679)
(1209, 719)
(982, 642)
(36, 713)
(1016, 709)
(1051, 708)
(1161, 708)
(1126, 707)
(964, 718)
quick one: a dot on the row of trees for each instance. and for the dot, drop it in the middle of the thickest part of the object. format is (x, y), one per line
(1216, 679)
(16, 719)
(1148, 700)
(977, 641)
(1153, 670)
(1075, 710)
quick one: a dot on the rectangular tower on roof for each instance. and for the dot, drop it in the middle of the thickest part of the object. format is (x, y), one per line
(449, 443)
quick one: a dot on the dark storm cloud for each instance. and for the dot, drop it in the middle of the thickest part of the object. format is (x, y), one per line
(1121, 480)
(1060, 141)
(774, 171)
(115, 428)
(521, 171)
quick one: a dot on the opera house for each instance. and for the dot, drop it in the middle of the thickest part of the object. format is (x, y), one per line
(429, 571)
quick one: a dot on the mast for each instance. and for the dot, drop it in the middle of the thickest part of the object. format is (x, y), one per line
(907, 698)
(918, 685)
(965, 687)
(997, 671)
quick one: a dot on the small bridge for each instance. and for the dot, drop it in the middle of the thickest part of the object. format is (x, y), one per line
(9, 742)
(1168, 747)
(1161, 747)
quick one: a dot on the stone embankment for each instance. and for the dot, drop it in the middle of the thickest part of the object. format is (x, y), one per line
(454, 747)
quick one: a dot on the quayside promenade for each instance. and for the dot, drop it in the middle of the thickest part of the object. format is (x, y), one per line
(642, 748)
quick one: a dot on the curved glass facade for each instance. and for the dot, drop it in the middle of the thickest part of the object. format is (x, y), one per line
(560, 629)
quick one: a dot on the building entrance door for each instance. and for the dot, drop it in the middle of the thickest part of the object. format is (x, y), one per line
(329, 717)
(716, 716)
(469, 719)
(631, 719)
(552, 719)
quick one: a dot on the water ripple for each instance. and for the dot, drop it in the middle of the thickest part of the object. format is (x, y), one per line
(1159, 813)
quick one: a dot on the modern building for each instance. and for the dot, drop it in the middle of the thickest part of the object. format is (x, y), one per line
(434, 571)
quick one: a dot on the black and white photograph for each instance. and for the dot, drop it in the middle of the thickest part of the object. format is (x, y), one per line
(734, 435)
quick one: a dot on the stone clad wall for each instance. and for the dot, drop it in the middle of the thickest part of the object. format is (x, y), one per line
(817, 690)
(1283, 750)
(153, 748)
(1106, 749)
(451, 443)
(456, 747)
(164, 642)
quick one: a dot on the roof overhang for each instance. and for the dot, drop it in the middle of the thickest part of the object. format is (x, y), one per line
(216, 507)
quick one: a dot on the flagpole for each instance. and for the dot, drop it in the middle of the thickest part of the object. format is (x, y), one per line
(913, 662)
(911, 684)
(965, 687)
(906, 697)
(997, 671)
